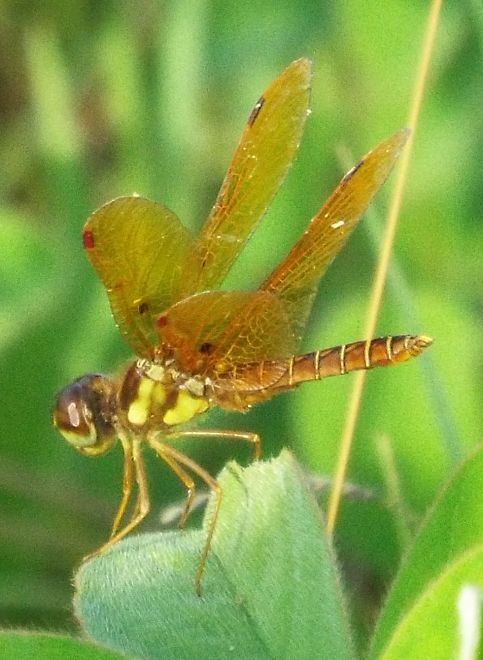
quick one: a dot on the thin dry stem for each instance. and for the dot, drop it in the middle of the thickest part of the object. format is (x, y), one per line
(383, 264)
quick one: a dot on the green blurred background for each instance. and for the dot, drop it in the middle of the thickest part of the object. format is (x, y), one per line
(103, 99)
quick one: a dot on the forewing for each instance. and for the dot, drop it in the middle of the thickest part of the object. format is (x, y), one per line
(259, 165)
(222, 334)
(139, 250)
(295, 280)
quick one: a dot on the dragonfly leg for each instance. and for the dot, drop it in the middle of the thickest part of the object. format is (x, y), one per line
(187, 482)
(141, 508)
(170, 456)
(246, 436)
(126, 487)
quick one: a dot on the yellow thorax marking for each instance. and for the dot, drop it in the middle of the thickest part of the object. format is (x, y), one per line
(149, 392)
(186, 407)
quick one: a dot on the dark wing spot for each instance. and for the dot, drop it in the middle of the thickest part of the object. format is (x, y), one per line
(352, 171)
(206, 348)
(256, 110)
(143, 307)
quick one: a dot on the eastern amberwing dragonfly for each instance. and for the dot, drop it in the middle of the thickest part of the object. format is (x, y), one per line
(198, 347)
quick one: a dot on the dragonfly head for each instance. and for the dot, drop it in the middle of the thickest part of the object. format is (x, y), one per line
(83, 414)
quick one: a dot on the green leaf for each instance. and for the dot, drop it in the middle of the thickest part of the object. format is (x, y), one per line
(448, 554)
(430, 627)
(270, 587)
(15, 645)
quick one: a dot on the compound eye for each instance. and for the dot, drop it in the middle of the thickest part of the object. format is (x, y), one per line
(73, 417)
(82, 414)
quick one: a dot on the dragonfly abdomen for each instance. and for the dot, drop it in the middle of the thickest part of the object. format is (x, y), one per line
(339, 360)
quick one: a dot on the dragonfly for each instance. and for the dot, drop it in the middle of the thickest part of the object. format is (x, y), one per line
(198, 347)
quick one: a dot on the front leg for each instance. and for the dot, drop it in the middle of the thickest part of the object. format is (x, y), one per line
(126, 486)
(132, 454)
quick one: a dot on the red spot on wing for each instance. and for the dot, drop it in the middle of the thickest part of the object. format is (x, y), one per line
(88, 239)
(162, 321)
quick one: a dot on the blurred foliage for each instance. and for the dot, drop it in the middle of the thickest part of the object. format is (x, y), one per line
(102, 99)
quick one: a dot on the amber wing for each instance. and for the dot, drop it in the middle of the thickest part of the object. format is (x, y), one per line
(224, 335)
(294, 281)
(216, 333)
(258, 167)
(139, 250)
(142, 253)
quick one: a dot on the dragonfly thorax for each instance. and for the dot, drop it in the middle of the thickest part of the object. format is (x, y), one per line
(155, 396)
